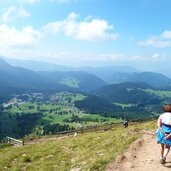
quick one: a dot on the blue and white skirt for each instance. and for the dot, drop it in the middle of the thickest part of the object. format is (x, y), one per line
(160, 136)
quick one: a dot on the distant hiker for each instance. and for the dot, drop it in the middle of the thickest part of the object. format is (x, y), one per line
(75, 134)
(164, 132)
(125, 124)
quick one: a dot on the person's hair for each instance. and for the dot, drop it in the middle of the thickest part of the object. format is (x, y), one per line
(167, 108)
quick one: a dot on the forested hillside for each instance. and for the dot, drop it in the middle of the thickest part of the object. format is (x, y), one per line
(133, 93)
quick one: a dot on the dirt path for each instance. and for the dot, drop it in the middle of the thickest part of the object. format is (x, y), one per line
(143, 155)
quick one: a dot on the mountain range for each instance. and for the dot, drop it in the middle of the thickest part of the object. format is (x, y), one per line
(156, 80)
(86, 79)
(110, 74)
(25, 79)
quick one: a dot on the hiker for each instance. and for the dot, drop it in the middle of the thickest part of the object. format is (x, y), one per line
(164, 132)
(75, 134)
(125, 124)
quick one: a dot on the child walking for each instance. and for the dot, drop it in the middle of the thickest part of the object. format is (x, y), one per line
(164, 132)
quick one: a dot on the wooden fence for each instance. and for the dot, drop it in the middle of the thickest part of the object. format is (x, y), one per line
(103, 127)
(9, 140)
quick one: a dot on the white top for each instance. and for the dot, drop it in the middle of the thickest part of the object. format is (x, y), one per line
(166, 118)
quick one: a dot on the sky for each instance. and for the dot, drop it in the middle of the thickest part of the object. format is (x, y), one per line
(88, 32)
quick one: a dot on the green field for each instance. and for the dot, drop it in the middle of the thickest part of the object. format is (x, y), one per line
(38, 111)
(123, 105)
(161, 94)
(57, 113)
(70, 82)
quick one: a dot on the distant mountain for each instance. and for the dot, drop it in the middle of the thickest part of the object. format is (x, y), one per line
(75, 79)
(127, 93)
(36, 65)
(156, 80)
(84, 78)
(4, 65)
(17, 79)
(107, 73)
(120, 74)
(100, 71)
(120, 77)
(11, 76)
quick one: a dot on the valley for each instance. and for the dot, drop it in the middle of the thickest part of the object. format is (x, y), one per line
(36, 103)
(39, 105)
(32, 115)
(39, 114)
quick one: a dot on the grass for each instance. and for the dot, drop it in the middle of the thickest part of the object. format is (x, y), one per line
(71, 82)
(24, 108)
(56, 118)
(51, 113)
(90, 151)
(122, 104)
(159, 93)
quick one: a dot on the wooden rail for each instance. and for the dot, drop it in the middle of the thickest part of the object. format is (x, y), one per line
(13, 141)
(82, 130)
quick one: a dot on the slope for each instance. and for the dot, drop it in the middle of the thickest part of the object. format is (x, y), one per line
(75, 79)
(89, 151)
(127, 93)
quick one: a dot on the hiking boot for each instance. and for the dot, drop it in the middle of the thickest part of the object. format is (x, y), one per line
(163, 160)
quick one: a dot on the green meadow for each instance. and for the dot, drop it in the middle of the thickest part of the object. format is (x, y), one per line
(89, 151)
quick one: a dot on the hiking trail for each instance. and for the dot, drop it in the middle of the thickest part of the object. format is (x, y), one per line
(143, 155)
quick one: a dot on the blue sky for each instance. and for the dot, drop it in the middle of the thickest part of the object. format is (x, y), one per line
(88, 32)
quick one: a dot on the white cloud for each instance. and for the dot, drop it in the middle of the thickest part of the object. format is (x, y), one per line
(162, 41)
(77, 59)
(138, 58)
(28, 1)
(62, 1)
(34, 1)
(95, 30)
(12, 38)
(69, 57)
(13, 13)
(20, 1)
(92, 30)
(108, 57)
(158, 57)
(166, 34)
(84, 58)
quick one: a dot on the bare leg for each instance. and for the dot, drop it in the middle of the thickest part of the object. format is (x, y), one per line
(162, 158)
(162, 151)
(166, 150)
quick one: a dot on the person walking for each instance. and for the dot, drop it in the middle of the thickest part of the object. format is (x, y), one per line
(125, 124)
(164, 132)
